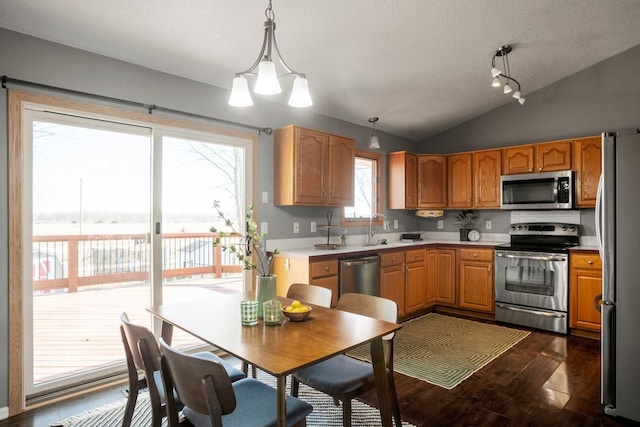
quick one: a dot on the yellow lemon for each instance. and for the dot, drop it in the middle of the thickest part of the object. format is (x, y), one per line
(288, 309)
(296, 304)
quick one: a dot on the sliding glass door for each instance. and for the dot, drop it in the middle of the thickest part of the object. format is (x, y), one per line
(116, 217)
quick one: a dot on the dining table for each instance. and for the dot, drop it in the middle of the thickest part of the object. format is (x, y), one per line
(282, 349)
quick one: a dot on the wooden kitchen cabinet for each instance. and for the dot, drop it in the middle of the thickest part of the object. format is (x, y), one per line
(325, 274)
(587, 166)
(475, 282)
(402, 178)
(312, 168)
(431, 263)
(459, 181)
(392, 283)
(432, 181)
(585, 288)
(487, 168)
(543, 157)
(415, 280)
(446, 272)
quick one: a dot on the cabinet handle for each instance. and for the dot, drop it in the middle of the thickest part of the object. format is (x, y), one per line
(540, 169)
(530, 169)
(326, 269)
(590, 262)
(475, 254)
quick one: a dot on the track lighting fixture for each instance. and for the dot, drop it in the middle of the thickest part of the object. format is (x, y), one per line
(267, 79)
(374, 143)
(505, 73)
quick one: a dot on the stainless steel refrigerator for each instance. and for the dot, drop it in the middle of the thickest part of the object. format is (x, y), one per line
(618, 235)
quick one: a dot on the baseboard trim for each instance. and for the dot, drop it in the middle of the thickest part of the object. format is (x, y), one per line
(4, 413)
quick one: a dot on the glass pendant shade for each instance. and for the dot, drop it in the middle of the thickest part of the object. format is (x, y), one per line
(374, 143)
(516, 94)
(521, 100)
(267, 82)
(300, 96)
(495, 82)
(240, 96)
(495, 72)
(507, 88)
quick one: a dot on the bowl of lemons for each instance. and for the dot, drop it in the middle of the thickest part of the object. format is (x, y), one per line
(296, 312)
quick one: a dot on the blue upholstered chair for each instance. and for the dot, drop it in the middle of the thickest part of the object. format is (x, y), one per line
(212, 400)
(344, 377)
(133, 336)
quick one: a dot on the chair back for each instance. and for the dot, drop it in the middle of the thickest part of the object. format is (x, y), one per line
(193, 377)
(312, 294)
(370, 306)
(131, 335)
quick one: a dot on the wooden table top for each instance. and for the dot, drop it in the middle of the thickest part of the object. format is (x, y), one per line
(277, 350)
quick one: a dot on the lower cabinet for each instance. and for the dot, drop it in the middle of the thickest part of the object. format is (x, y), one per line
(415, 290)
(445, 267)
(325, 274)
(585, 291)
(475, 282)
(392, 278)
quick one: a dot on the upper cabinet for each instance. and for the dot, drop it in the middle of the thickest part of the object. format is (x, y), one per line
(486, 173)
(544, 157)
(587, 164)
(313, 168)
(432, 181)
(402, 173)
(459, 181)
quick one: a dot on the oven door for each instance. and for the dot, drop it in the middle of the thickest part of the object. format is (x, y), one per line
(532, 279)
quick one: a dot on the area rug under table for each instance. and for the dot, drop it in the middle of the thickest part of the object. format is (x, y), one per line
(446, 350)
(325, 413)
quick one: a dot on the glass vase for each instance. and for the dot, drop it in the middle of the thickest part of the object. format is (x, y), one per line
(265, 290)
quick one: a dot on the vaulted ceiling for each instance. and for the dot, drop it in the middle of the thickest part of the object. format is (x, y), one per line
(421, 66)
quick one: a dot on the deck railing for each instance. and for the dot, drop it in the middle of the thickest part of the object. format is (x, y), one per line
(73, 261)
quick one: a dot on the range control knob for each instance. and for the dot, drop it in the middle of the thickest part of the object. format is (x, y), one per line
(520, 227)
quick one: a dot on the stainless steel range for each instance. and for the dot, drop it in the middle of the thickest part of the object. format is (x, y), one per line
(532, 275)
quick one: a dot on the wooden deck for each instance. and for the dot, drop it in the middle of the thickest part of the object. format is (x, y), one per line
(79, 331)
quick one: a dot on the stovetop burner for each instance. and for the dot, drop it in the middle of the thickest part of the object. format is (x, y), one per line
(542, 237)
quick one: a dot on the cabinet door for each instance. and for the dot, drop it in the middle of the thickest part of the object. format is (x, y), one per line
(415, 286)
(487, 166)
(392, 285)
(459, 181)
(342, 152)
(587, 164)
(517, 160)
(310, 166)
(476, 286)
(553, 156)
(402, 169)
(431, 259)
(432, 181)
(446, 289)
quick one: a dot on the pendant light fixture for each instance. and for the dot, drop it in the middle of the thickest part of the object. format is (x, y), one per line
(267, 79)
(374, 143)
(497, 74)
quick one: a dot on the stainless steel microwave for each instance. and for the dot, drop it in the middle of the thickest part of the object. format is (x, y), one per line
(546, 190)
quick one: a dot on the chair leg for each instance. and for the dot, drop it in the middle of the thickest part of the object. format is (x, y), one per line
(346, 413)
(295, 384)
(131, 405)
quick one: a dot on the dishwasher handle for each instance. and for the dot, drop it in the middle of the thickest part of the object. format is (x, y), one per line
(359, 261)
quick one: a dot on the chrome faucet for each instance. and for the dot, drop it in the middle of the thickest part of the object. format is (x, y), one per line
(372, 231)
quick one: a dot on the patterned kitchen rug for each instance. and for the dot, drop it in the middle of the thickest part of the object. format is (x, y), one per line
(325, 413)
(446, 350)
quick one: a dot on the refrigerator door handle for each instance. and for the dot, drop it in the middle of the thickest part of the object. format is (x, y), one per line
(599, 216)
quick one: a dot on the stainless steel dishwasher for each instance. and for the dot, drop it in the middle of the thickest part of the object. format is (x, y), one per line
(360, 275)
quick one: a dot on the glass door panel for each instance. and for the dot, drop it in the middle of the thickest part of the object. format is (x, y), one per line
(195, 173)
(90, 207)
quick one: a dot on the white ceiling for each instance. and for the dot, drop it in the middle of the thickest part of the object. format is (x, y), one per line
(421, 66)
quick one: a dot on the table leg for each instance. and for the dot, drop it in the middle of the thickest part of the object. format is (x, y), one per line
(382, 385)
(167, 332)
(281, 401)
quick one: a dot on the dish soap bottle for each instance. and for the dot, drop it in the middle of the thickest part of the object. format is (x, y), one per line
(343, 240)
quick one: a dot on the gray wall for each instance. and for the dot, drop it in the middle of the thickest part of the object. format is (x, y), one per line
(605, 96)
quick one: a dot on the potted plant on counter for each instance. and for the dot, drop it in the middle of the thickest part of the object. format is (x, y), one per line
(251, 251)
(466, 220)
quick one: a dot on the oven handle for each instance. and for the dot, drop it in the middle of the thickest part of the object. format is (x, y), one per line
(527, 310)
(533, 257)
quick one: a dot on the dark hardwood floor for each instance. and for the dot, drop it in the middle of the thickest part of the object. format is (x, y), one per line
(545, 380)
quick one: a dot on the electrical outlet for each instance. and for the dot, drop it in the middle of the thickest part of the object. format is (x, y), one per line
(440, 224)
(265, 197)
(395, 224)
(487, 225)
(264, 228)
(313, 226)
(296, 227)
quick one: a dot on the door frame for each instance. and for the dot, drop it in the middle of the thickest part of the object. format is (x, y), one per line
(17, 101)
